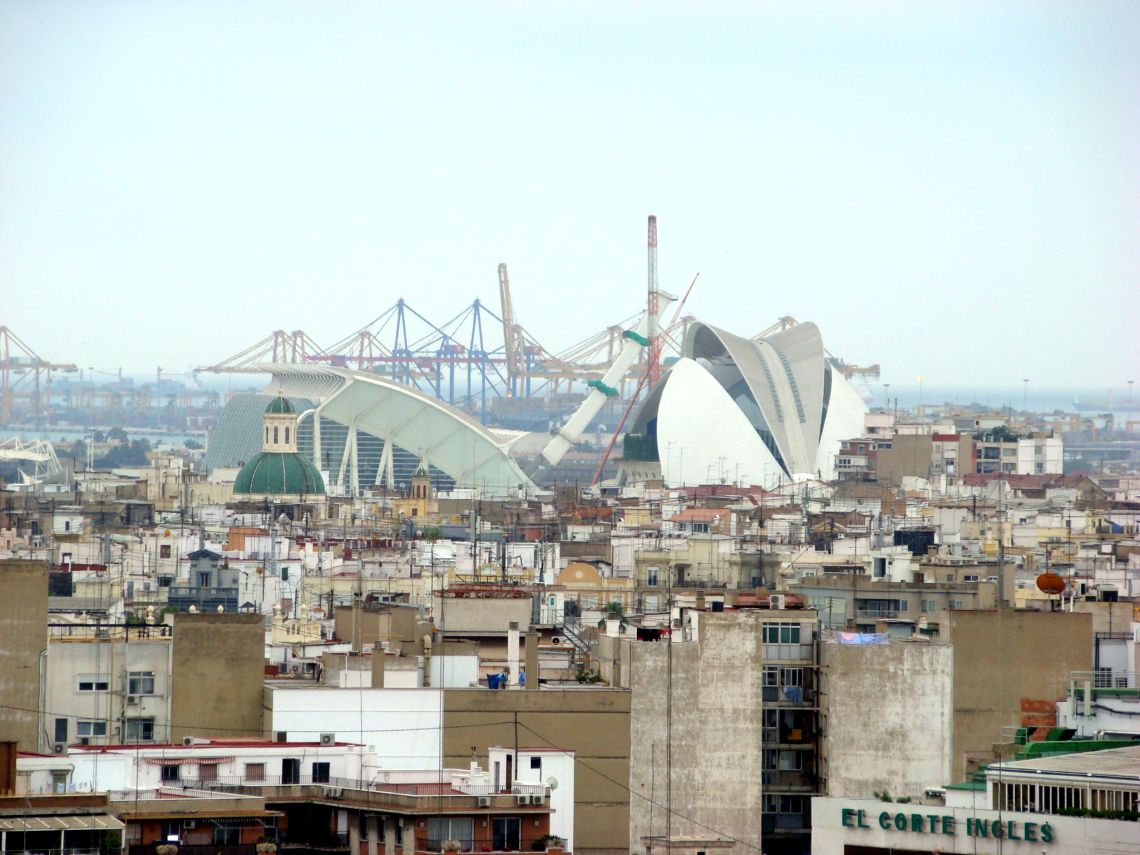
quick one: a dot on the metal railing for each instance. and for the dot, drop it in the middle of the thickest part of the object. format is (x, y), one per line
(1107, 681)
(877, 614)
(381, 795)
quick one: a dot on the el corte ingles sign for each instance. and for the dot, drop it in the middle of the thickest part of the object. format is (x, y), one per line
(933, 823)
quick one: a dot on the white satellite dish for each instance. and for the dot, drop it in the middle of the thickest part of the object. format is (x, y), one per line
(552, 782)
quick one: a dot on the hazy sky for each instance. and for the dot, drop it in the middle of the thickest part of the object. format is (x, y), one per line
(949, 189)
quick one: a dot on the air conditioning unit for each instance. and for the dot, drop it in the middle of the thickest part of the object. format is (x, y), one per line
(484, 801)
(282, 736)
(776, 601)
(132, 700)
(537, 799)
(333, 792)
(187, 740)
(328, 739)
(59, 748)
(187, 823)
(522, 799)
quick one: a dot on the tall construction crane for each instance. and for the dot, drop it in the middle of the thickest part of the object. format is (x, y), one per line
(21, 369)
(653, 310)
(514, 342)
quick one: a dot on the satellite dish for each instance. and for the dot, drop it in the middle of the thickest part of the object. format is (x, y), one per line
(552, 782)
(1050, 583)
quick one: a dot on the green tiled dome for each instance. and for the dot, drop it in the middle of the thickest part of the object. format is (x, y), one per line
(279, 406)
(279, 474)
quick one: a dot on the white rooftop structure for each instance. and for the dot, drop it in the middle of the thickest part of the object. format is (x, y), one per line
(446, 438)
(751, 411)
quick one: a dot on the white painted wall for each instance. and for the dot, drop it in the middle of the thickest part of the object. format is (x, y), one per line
(404, 725)
(452, 672)
(555, 764)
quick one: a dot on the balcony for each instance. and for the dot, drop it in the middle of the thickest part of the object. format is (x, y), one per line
(789, 695)
(789, 652)
(384, 797)
(182, 597)
(787, 781)
(877, 614)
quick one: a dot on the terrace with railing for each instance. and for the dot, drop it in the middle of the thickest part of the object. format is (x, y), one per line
(386, 796)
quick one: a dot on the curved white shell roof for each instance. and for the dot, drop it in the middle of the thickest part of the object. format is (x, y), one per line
(450, 440)
(752, 411)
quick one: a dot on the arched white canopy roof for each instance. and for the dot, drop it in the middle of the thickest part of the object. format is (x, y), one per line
(754, 410)
(471, 454)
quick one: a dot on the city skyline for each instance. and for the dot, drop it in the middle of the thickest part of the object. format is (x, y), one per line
(935, 186)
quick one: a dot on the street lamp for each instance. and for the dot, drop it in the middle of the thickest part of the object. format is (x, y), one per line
(1128, 427)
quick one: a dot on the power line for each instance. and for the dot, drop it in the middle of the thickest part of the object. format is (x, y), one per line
(648, 799)
(245, 731)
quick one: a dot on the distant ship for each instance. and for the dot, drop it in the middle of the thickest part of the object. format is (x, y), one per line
(1095, 404)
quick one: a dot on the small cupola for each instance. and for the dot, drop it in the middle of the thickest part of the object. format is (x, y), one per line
(280, 427)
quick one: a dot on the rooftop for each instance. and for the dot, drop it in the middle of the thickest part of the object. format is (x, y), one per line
(1114, 762)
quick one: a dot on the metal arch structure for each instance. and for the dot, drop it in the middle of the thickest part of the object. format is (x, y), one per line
(402, 416)
(39, 452)
(277, 347)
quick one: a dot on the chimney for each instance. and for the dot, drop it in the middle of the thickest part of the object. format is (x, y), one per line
(377, 668)
(532, 659)
(513, 653)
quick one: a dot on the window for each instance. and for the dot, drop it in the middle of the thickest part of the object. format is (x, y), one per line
(140, 683)
(791, 676)
(929, 606)
(92, 683)
(536, 763)
(451, 828)
(652, 576)
(164, 550)
(275, 434)
(59, 782)
(227, 835)
(286, 435)
(970, 577)
(320, 773)
(171, 773)
(284, 574)
(506, 832)
(791, 804)
(290, 770)
(138, 730)
(791, 761)
(207, 773)
(255, 771)
(956, 604)
(61, 730)
(86, 728)
(781, 633)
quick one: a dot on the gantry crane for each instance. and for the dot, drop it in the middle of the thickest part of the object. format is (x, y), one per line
(21, 369)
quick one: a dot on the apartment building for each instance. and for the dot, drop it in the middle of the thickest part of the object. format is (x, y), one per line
(729, 696)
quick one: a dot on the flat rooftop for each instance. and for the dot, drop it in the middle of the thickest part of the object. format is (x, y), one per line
(1115, 762)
